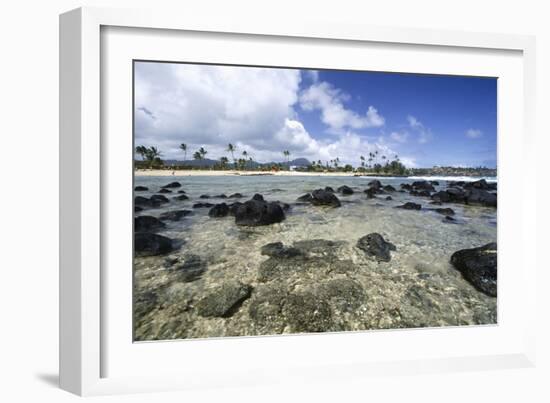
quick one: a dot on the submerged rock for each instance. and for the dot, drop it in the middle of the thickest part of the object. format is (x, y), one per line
(374, 184)
(256, 212)
(305, 312)
(204, 197)
(147, 223)
(235, 196)
(145, 202)
(389, 198)
(219, 210)
(345, 190)
(148, 244)
(371, 193)
(172, 185)
(202, 205)
(480, 197)
(321, 197)
(445, 211)
(192, 269)
(141, 189)
(225, 300)
(389, 188)
(375, 246)
(164, 190)
(423, 185)
(278, 250)
(329, 189)
(159, 198)
(174, 215)
(479, 267)
(410, 206)
(305, 198)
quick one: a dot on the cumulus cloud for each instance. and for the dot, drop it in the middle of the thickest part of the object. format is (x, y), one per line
(330, 101)
(424, 134)
(252, 108)
(400, 137)
(474, 133)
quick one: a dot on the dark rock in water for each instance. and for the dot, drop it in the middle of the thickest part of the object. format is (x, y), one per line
(204, 197)
(174, 215)
(145, 202)
(371, 193)
(306, 313)
(181, 197)
(163, 190)
(480, 184)
(202, 205)
(159, 198)
(219, 210)
(406, 186)
(389, 188)
(375, 246)
(147, 223)
(137, 209)
(191, 270)
(222, 196)
(389, 198)
(329, 189)
(375, 184)
(480, 197)
(420, 193)
(305, 198)
(345, 190)
(442, 196)
(435, 183)
(233, 208)
(284, 206)
(436, 203)
(181, 191)
(278, 250)
(225, 300)
(172, 185)
(451, 184)
(256, 212)
(235, 196)
(449, 219)
(141, 189)
(479, 267)
(445, 211)
(343, 293)
(321, 197)
(410, 206)
(423, 185)
(456, 195)
(148, 244)
(277, 190)
(258, 197)
(265, 308)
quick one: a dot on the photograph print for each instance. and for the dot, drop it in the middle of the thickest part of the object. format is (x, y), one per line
(276, 201)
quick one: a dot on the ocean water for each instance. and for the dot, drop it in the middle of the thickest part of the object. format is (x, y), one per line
(417, 288)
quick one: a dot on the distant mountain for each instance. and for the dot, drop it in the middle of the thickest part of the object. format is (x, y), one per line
(299, 162)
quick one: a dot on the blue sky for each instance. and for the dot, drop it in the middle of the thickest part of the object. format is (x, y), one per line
(317, 114)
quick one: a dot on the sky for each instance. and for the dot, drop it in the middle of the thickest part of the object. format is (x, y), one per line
(425, 120)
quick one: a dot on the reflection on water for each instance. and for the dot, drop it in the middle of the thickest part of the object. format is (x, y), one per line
(418, 287)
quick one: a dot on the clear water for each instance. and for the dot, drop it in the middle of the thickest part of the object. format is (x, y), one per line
(417, 288)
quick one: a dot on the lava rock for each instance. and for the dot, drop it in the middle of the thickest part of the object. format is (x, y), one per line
(445, 211)
(345, 190)
(406, 186)
(375, 246)
(481, 197)
(147, 223)
(204, 197)
(423, 185)
(137, 209)
(181, 197)
(172, 185)
(191, 270)
(410, 206)
(202, 205)
(442, 197)
(329, 189)
(258, 197)
(221, 196)
(479, 267)
(219, 210)
(149, 244)
(321, 197)
(256, 212)
(145, 202)
(225, 300)
(174, 215)
(371, 193)
(389, 198)
(159, 198)
(163, 190)
(141, 189)
(235, 196)
(305, 312)
(389, 188)
(375, 184)
(305, 198)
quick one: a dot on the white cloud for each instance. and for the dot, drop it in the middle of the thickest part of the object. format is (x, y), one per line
(424, 133)
(330, 101)
(251, 108)
(474, 133)
(400, 137)
(313, 75)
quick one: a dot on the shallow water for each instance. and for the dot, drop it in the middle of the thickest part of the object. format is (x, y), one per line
(417, 288)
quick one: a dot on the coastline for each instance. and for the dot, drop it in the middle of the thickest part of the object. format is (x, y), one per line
(190, 172)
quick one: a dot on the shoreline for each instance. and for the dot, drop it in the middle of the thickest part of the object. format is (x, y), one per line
(190, 172)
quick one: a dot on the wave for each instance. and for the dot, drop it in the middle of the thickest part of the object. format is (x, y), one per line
(456, 178)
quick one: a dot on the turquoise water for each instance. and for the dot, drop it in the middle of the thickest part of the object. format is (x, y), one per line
(417, 288)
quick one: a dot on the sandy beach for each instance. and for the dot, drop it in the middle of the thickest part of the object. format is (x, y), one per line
(164, 172)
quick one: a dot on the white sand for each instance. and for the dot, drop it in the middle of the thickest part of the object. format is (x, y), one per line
(163, 172)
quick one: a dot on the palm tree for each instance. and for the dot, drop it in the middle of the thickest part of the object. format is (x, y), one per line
(223, 162)
(231, 148)
(197, 155)
(286, 153)
(183, 147)
(142, 151)
(362, 161)
(152, 154)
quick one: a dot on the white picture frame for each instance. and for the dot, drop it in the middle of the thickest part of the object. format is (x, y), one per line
(86, 345)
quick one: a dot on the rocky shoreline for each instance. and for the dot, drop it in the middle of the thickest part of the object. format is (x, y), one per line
(313, 285)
